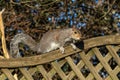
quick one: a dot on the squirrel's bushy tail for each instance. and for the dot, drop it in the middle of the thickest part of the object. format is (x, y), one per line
(21, 38)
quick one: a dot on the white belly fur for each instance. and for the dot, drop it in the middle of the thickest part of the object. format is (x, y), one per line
(53, 46)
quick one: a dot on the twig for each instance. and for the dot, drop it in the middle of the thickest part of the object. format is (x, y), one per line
(26, 3)
(5, 52)
(108, 10)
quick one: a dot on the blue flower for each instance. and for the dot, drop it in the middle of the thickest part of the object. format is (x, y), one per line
(75, 15)
(119, 16)
(69, 17)
(83, 4)
(17, 0)
(118, 24)
(116, 14)
(61, 17)
(65, 18)
(73, 1)
(71, 22)
(83, 24)
(62, 3)
(62, 14)
(49, 19)
(96, 1)
(19, 31)
(75, 22)
(68, 13)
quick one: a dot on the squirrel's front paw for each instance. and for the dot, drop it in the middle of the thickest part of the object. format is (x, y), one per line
(62, 49)
(74, 46)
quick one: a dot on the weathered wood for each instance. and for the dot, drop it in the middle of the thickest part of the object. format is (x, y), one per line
(3, 76)
(103, 40)
(26, 73)
(72, 74)
(52, 72)
(43, 72)
(58, 69)
(8, 74)
(31, 71)
(74, 68)
(114, 54)
(116, 70)
(90, 66)
(108, 78)
(35, 60)
(90, 77)
(105, 64)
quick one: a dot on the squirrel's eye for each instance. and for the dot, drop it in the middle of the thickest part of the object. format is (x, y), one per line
(75, 32)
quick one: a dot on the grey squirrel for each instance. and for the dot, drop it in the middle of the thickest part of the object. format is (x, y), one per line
(51, 40)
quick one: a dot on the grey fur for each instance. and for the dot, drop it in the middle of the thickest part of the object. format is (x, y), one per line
(51, 40)
(21, 38)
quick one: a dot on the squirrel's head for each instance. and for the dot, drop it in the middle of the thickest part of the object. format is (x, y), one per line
(76, 34)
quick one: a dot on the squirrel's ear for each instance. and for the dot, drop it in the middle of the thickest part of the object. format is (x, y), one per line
(73, 27)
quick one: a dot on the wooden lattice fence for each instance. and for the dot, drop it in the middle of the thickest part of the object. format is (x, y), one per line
(99, 60)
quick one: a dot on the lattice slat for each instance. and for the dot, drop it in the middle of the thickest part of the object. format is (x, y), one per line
(2, 76)
(108, 78)
(90, 77)
(116, 70)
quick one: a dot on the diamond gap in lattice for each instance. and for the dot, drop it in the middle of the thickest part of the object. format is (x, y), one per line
(66, 68)
(56, 77)
(87, 51)
(19, 74)
(75, 78)
(76, 58)
(118, 52)
(103, 73)
(15, 71)
(103, 50)
(2, 72)
(118, 75)
(47, 67)
(94, 60)
(37, 76)
(112, 63)
(85, 71)
(94, 79)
